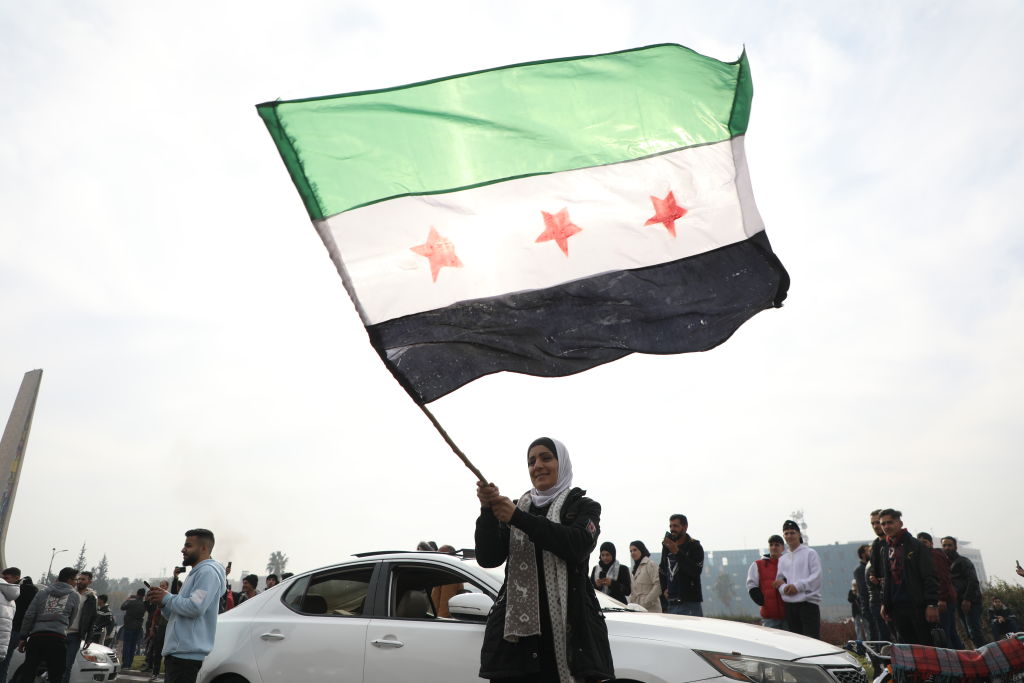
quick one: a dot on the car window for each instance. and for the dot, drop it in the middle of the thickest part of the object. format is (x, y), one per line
(423, 591)
(293, 596)
(337, 592)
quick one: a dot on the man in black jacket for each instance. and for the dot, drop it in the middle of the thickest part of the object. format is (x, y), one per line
(134, 612)
(103, 625)
(968, 591)
(880, 630)
(910, 594)
(861, 580)
(1001, 619)
(682, 562)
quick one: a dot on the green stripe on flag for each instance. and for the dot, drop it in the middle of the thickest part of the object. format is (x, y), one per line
(454, 133)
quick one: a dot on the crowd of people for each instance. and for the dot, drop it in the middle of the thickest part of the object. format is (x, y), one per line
(909, 591)
(174, 623)
(904, 589)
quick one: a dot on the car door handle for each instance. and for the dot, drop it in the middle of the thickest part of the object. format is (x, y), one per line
(386, 642)
(272, 636)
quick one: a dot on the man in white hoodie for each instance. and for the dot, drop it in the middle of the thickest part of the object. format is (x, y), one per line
(799, 583)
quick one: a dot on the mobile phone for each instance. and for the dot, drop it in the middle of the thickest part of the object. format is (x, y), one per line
(146, 584)
(229, 566)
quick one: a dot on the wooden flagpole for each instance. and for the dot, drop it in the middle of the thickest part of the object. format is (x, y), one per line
(448, 440)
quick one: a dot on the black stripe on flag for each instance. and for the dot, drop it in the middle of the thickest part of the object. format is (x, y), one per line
(692, 304)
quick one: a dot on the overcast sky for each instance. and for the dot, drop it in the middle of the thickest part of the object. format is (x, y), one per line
(203, 365)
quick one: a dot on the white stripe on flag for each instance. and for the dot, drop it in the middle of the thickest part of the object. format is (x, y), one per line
(494, 229)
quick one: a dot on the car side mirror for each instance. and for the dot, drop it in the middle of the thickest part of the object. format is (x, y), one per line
(470, 606)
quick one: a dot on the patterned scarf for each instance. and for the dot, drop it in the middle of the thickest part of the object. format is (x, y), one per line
(603, 572)
(522, 616)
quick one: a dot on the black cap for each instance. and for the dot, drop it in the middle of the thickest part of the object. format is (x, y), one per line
(790, 524)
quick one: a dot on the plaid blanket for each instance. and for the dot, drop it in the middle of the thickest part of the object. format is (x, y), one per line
(993, 662)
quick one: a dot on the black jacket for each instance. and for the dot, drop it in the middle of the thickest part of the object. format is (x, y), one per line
(621, 584)
(87, 616)
(134, 612)
(860, 576)
(685, 586)
(28, 593)
(572, 540)
(877, 555)
(964, 577)
(103, 625)
(920, 585)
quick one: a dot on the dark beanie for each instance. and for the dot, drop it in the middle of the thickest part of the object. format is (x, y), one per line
(790, 524)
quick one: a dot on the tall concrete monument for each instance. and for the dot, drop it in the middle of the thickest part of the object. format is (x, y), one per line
(12, 449)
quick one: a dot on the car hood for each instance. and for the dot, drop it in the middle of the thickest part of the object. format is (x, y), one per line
(98, 649)
(716, 635)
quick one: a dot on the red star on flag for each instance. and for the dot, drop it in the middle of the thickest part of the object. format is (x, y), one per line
(666, 212)
(559, 228)
(440, 251)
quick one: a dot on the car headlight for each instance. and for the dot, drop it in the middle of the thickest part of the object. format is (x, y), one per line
(762, 670)
(89, 656)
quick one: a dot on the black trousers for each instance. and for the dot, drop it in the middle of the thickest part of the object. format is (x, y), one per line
(45, 648)
(910, 625)
(156, 646)
(804, 618)
(177, 670)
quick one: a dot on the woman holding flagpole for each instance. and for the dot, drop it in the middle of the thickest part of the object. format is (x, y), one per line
(546, 624)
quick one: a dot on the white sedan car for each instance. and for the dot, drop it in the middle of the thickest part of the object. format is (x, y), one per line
(94, 663)
(372, 620)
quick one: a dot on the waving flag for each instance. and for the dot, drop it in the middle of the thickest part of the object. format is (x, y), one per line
(541, 218)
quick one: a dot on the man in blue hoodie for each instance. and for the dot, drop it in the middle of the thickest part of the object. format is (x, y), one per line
(192, 613)
(45, 627)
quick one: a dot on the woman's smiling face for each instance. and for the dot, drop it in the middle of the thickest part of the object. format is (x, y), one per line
(543, 466)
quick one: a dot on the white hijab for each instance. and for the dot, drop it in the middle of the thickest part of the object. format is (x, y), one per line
(564, 481)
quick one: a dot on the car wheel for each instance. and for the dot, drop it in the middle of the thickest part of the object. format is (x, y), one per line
(230, 678)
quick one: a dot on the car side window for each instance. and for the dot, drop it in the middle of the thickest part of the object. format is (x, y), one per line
(293, 596)
(422, 592)
(337, 592)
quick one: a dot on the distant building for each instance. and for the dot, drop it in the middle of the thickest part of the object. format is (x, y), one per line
(724, 580)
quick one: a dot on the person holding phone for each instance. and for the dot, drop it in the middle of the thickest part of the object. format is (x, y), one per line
(682, 561)
(609, 576)
(192, 613)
